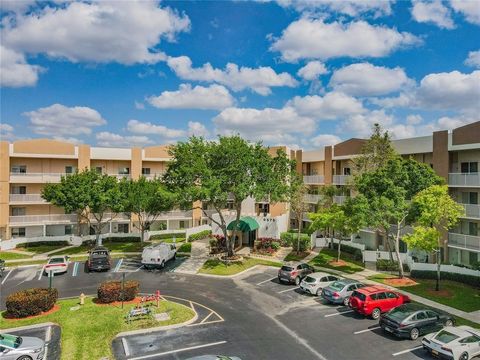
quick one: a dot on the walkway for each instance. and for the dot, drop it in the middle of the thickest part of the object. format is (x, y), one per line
(198, 256)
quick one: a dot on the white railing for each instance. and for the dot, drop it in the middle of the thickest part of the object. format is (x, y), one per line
(325, 241)
(197, 229)
(445, 268)
(472, 210)
(464, 179)
(111, 216)
(36, 177)
(209, 212)
(468, 242)
(373, 256)
(341, 179)
(153, 176)
(312, 198)
(26, 198)
(176, 214)
(313, 179)
(40, 219)
(338, 199)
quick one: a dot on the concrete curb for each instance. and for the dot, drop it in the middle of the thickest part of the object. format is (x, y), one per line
(234, 275)
(27, 327)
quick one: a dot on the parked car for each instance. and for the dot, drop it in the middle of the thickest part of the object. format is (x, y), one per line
(314, 283)
(158, 255)
(340, 291)
(21, 347)
(375, 300)
(456, 343)
(294, 273)
(214, 357)
(412, 320)
(99, 259)
(56, 265)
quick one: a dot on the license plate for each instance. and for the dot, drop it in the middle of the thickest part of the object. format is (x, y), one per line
(434, 352)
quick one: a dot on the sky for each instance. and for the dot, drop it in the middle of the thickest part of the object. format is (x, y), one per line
(305, 74)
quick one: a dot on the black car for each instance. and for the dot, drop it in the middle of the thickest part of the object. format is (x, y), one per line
(412, 320)
(99, 259)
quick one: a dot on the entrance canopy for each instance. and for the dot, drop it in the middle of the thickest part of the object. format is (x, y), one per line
(245, 223)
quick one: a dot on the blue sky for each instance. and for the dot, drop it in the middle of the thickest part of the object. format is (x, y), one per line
(301, 73)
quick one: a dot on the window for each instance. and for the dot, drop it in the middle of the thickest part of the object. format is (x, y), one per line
(346, 171)
(391, 295)
(68, 229)
(381, 296)
(470, 340)
(473, 198)
(98, 169)
(123, 228)
(145, 171)
(230, 205)
(70, 169)
(431, 314)
(351, 287)
(19, 169)
(421, 316)
(332, 278)
(124, 171)
(472, 229)
(18, 232)
(324, 279)
(18, 211)
(469, 167)
(19, 189)
(264, 208)
(182, 224)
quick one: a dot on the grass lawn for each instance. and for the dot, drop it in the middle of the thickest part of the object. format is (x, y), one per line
(87, 333)
(327, 256)
(40, 249)
(124, 246)
(293, 256)
(457, 295)
(217, 267)
(170, 240)
(5, 255)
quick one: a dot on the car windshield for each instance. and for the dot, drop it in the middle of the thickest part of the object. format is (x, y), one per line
(309, 279)
(359, 295)
(337, 285)
(400, 312)
(56, 261)
(10, 341)
(445, 337)
(287, 268)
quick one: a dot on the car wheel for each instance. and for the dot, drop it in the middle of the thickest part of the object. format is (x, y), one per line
(319, 292)
(414, 334)
(280, 281)
(24, 357)
(449, 323)
(297, 280)
(375, 313)
(345, 301)
(463, 356)
(174, 256)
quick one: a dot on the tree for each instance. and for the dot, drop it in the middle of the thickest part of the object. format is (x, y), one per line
(437, 212)
(298, 206)
(328, 193)
(230, 169)
(146, 199)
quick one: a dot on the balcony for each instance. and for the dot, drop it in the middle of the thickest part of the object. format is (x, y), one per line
(339, 199)
(461, 241)
(313, 179)
(342, 179)
(114, 217)
(464, 179)
(471, 211)
(312, 198)
(153, 176)
(121, 176)
(38, 178)
(176, 214)
(26, 199)
(42, 219)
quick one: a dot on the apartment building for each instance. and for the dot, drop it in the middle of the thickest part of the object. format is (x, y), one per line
(454, 155)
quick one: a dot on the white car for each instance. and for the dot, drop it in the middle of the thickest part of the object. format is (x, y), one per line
(56, 265)
(158, 255)
(315, 282)
(456, 343)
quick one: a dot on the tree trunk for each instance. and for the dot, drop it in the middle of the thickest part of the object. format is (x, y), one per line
(339, 248)
(142, 234)
(79, 221)
(330, 234)
(298, 240)
(439, 262)
(397, 252)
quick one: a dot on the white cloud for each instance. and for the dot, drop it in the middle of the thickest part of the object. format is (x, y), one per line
(6, 132)
(347, 7)
(16, 6)
(15, 71)
(109, 139)
(196, 128)
(139, 105)
(402, 100)
(329, 107)
(360, 125)
(473, 59)
(147, 128)
(274, 126)
(414, 119)
(127, 32)
(322, 140)
(259, 79)
(214, 97)
(402, 131)
(314, 39)
(449, 123)
(468, 8)
(312, 70)
(60, 120)
(432, 12)
(69, 139)
(365, 79)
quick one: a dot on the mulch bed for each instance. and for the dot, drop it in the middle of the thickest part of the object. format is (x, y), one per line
(337, 263)
(55, 308)
(397, 282)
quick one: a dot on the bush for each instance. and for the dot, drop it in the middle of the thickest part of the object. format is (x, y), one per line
(267, 245)
(186, 247)
(461, 278)
(290, 239)
(110, 291)
(389, 265)
(42, 243)
(200, 235)
(122, 239)
(217, 244)
(30, 302)
(168, 236)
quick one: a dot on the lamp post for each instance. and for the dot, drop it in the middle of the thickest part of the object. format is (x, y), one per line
(123, 288)
(50, 277)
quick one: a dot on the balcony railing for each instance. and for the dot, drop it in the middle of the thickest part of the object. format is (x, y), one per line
(464, 179)
(468, 242)
(209, 212)
(341, 179)
(153, 176)
(42, 219)
(472, 210)
(35, 177)
(312, 198)
(180, 214)
(121, 176)
(339, 199)
(313, 179)
(26, 198)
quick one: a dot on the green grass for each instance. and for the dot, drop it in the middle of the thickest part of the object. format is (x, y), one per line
(327, 255)
(293, 256)
(123, 246)
(459, 296)
(40, 249)
(217, 267)
(170, 240)
(187, 247)
(87, 333)
(5, 255)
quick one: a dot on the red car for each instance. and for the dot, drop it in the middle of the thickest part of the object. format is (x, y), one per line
(374, 300)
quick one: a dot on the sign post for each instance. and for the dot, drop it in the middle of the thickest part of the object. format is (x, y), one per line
(123, 288)
(50, 277)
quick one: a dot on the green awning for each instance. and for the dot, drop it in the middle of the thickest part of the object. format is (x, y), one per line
(246, 223)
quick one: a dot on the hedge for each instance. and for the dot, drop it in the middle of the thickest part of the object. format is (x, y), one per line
(30, 302)
(200, 235)
(110, 291)
(168, 236)
(42, 243)
(355, 252)
(290, 239)
(186, 248)
(389, 265)
(462, 278)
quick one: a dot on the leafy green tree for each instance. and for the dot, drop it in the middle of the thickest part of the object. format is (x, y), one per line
(230, 169)
(323, 220)
(146, 199)
(298, 206)
(437, 212)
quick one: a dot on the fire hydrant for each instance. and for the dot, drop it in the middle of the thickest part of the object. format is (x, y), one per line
(82, 299)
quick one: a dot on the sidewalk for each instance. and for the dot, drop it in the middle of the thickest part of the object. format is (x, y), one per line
(197, 258)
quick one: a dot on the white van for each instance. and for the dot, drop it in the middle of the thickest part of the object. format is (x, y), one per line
(157, 255)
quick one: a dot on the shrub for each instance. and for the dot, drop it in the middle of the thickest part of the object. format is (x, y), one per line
(30, 302)
(475, 265)
(389, 265)
(110, 291)
(217, 244)
(186, 247)
(42, 243)
(275, 245)
(200, 235)
(168, 236)
(122, 239)
(290, 239)
(462, 278)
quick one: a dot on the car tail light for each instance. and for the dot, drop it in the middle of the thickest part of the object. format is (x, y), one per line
(335, 295)
(447, 349)
(293, 273)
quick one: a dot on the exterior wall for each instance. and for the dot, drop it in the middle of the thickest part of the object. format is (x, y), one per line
(156, 167)
(468, 134)
(136, 163)
(110, 166)
(440, 153)
(463, 156)
(349, 147)
(156, 152)
(278, 209)
(4, 187)
(44, 165)
(83, 157)
(46, 209)
(328, 170)
(43, 146)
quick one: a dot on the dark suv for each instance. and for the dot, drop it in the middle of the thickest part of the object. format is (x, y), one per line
(99, 259)
(294, 273)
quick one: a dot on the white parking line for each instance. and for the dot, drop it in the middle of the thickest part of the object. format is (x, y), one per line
(408, 350)
(263, 282)
(366, 330)
(75, 269)
(284, 291)
(5, 278)
(179, 350)
(339, 313)
(41, 274)
(117, 266)
(48, 337)
(125, 347)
